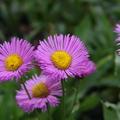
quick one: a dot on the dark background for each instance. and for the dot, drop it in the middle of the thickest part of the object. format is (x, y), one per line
(96, 97)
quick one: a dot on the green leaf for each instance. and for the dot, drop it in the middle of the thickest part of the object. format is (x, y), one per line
(111, 111)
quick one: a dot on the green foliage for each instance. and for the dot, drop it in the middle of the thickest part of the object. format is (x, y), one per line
(111, 111)
(95, 97)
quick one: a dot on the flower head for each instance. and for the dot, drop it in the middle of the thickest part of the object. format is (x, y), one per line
(117, 30)
(43, 90)
(61, 56)
(15, 59)
(88, 68)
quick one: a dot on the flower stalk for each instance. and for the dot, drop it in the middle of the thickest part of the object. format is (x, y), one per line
(49, 113)
(26, 90)
(63, 100)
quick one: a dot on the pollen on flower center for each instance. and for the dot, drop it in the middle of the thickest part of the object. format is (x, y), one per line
(61, 59)
(13, 62)
(40, 90)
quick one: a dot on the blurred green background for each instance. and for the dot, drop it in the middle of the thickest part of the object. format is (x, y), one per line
(95, 97)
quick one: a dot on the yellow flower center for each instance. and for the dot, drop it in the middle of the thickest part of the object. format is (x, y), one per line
(13, 62)
(40, 90)
(61, 59)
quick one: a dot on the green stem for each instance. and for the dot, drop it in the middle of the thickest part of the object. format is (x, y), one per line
(49, 114)
(26, 90)
(38, 114)
(74, 100)
(63, 100)
(25, 87)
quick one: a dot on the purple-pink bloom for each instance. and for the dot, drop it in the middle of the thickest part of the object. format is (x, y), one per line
(15, 59)
(43, 90)
(88, 68)
(62, 56)
(117, 30)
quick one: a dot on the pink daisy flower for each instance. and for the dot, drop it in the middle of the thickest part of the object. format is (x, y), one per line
(117, 30)
(15, 59)
(87, 68)
(43, 90)
(62, 56)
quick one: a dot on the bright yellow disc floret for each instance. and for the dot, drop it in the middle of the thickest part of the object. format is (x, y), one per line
(13, 62)
(40, 90)
(61, 59)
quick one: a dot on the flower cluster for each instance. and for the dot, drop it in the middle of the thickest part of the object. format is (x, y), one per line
(58, 57)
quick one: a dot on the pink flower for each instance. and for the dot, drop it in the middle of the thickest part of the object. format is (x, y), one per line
(62, 56)
(88, 68)
(117, 30)
(43, 90)
(15, 59)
